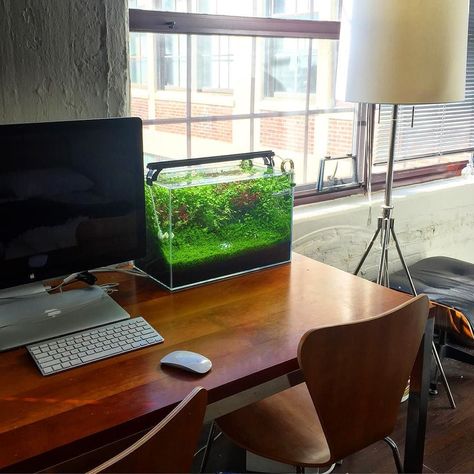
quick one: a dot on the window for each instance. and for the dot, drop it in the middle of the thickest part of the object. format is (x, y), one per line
(221, 84)
(214, 77)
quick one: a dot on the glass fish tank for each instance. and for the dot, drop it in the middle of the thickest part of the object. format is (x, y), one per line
(216, 217)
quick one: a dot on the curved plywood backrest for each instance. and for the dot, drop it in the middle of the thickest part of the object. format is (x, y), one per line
(169, 446)
(356, 374)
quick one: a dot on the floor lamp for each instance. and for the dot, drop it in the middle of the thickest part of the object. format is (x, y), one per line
(401, 52)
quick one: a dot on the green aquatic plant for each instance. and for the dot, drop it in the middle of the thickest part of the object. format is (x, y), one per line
(193, 221)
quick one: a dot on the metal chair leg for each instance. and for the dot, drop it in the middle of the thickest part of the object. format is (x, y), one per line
(207, 450)
(443, 376)
(433, 346)
(395, 452)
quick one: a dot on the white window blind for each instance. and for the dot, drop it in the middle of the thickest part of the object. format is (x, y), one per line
(438, 129)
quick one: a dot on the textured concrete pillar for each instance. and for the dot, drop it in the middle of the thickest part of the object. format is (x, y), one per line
(63, 59)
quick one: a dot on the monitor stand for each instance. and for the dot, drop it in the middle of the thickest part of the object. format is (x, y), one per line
(30, 289)
(33, 318)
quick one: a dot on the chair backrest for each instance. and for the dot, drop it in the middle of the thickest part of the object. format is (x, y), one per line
(169, 446)
(356, 374)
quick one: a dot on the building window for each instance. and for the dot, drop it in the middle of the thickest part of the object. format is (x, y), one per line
(138, 59)
(214, 63)
(288, 67)
(170, 61)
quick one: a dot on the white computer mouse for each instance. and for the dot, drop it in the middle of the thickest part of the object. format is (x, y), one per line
(187, 360)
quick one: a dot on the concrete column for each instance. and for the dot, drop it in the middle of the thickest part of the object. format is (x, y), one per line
(63, 59)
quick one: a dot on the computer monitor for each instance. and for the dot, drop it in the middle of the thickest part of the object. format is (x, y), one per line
(71, 198)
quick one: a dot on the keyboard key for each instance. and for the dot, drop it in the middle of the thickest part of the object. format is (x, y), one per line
(103, 354)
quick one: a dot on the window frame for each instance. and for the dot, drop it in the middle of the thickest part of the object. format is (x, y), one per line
(152, 21)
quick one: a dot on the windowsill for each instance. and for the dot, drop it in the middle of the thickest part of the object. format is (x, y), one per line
(344, 205)
(428, 174)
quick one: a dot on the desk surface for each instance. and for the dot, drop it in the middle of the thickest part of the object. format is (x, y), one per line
(248, 326)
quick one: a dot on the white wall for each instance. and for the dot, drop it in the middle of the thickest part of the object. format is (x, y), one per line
(430, 219)
(63, 59)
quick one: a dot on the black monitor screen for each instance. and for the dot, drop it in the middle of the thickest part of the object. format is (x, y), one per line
(71, 197)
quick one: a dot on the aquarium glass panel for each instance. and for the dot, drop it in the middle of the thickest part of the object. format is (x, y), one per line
(210, 222)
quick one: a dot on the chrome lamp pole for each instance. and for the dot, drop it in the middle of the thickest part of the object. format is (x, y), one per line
(385, 223)
(386, 226)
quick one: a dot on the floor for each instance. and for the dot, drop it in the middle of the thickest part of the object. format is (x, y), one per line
(449, 443)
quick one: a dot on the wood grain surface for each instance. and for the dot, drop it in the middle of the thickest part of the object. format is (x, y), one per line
(249, 326)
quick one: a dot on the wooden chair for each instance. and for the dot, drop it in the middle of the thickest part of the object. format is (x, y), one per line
(355, 376)
(169, 446)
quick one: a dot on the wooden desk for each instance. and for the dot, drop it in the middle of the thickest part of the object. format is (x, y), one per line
(248, 326)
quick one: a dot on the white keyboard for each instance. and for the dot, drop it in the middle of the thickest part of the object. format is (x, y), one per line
(80, 348)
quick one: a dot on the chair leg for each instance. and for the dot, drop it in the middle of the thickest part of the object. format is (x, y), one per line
(299, 469)
(395, 452)
(207, 450)
(443, 376)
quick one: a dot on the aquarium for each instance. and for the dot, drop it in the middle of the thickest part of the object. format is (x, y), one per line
(220, 217)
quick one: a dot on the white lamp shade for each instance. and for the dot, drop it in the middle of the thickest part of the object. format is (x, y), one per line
(403, 51)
